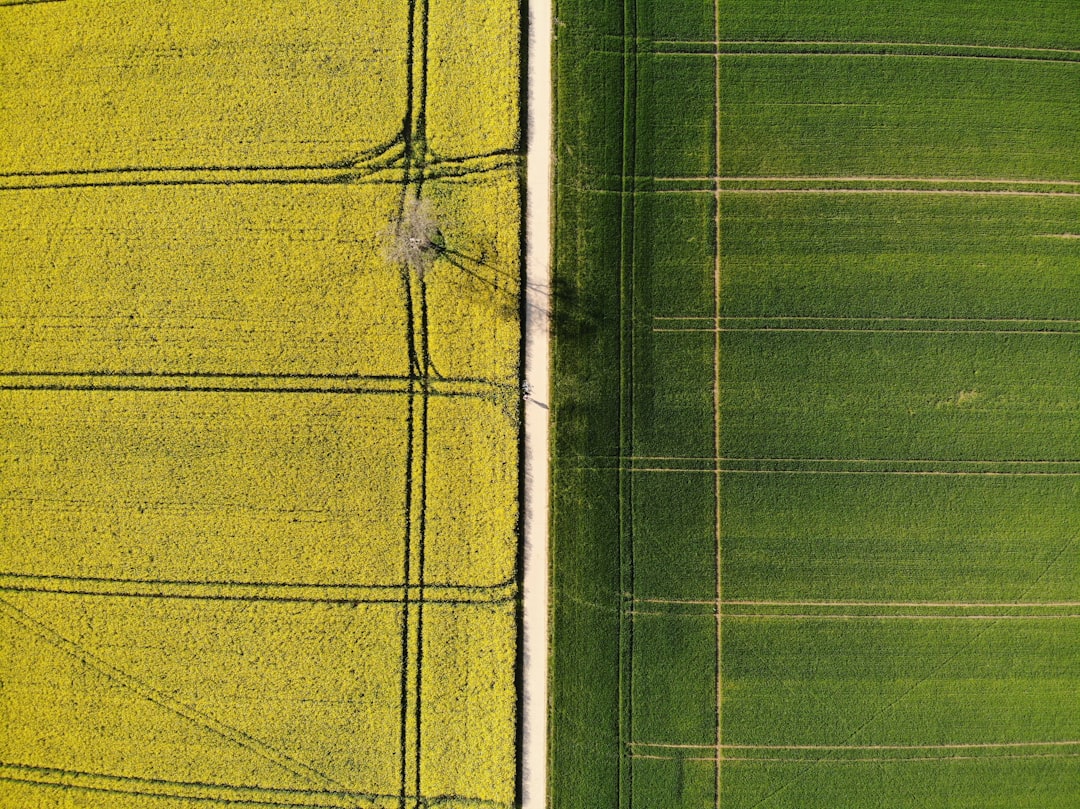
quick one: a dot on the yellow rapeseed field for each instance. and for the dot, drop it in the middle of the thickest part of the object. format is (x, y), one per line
(259, 357)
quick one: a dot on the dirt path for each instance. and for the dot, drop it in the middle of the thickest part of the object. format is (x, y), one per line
(537, 348)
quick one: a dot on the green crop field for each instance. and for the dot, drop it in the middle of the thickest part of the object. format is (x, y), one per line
(816, 504)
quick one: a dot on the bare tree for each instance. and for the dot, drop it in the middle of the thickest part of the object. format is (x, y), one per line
(415, 240)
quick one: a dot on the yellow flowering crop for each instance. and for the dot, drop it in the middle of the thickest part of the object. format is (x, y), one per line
(258, 420)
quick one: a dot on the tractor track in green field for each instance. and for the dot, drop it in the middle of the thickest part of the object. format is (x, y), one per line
(896, 496)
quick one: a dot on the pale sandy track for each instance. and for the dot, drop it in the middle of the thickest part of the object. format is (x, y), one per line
(534, 709)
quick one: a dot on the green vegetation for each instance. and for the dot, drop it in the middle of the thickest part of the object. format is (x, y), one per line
(856, 115)
(901, 538)
(878, 439)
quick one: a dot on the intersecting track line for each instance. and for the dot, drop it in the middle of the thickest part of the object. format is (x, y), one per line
(406, 576)
(415, 156)
(410, 345)
(895, 759)
(252, 375)
(748, 459)
(846, 747)
(387, 163)
(425, 384)
(679, 48)
(718, 42)
(236, 591)
(856, 760)
(867, 43)
(359, 160)
(190, 791)
(788, 616)
(229, 389)
(217, 793)
(152, 382)
(627, 257)
(390, 172)
(878, 54)
(908, 604)
(959, 746)
(668, 48)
